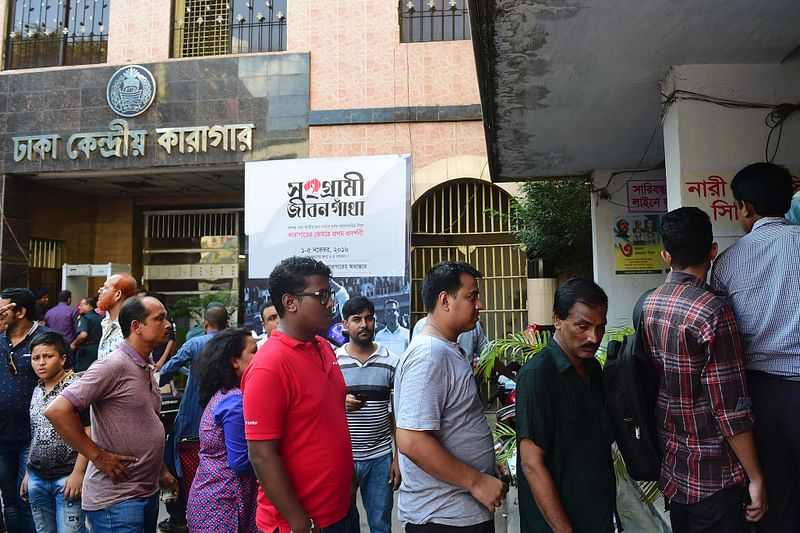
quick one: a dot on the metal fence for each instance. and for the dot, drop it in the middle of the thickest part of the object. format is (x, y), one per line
(45, 253)
(44, 33)
(468, 220)
(434, 20)
(215, 27)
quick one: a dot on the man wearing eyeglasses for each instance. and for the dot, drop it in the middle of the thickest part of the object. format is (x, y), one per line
(294, 410)
(17, 381)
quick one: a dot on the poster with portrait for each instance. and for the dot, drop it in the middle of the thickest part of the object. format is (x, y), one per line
(637, 244)
(350, 213)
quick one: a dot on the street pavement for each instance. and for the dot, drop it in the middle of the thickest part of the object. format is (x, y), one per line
(636, 517)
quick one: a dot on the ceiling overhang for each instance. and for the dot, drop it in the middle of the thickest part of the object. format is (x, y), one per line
(571, 87)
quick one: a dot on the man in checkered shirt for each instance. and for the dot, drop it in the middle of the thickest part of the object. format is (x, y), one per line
(703, 412)
(760, 273)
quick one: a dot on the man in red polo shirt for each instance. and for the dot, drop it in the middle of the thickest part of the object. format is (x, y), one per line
(294, 411)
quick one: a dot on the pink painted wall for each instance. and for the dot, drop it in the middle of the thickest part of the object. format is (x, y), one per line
(357, 59)
(427, 142)
(139, 31)
(4, 9)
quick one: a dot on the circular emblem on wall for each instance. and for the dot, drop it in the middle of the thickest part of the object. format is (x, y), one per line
(131, 90)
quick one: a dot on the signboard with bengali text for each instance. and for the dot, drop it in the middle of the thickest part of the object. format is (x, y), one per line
(352, 213)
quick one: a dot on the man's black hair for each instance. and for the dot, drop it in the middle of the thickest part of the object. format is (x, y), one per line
(291, 276)
(444, 276)
(767, 186)
(50, 338)
(578, 290)
(24, 299)
(213, 367)
(391, 301)
(266, 305)
(91, 302)
(355, 305)
(217, 318)
(132, 309)
(687, 236)
(64, 296)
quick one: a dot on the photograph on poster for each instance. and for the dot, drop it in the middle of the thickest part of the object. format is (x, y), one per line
(637, 244)
(389, 294)
(351, 213)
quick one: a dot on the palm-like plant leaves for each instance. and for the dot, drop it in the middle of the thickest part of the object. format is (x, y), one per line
(514, 348)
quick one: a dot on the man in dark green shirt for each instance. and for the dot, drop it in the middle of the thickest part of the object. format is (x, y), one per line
(563, 431)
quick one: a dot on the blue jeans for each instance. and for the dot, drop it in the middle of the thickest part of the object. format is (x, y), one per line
(376, 493)
(51, 512)
(129, 516)
(13, 456)
(348, 524)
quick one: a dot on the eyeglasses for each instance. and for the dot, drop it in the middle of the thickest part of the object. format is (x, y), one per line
(11, 366)
(324, 295)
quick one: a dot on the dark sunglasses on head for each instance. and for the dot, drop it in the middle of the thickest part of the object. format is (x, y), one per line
(324, 295)
(11, 366)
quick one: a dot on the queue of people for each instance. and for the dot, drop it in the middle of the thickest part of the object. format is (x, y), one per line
(291, 432)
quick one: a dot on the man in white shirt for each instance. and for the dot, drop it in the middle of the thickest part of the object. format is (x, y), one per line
(110, 298)
(393, 336)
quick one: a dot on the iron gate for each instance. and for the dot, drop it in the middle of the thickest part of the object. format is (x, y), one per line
(468, 220)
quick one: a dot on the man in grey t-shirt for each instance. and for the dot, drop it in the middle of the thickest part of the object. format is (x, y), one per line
(445, 444)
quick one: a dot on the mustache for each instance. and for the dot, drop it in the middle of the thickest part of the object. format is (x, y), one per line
(590, 346)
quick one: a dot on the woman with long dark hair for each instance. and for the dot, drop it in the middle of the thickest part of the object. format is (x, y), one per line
(224, 491)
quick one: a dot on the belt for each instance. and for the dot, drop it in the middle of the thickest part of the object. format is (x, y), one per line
(776, 377)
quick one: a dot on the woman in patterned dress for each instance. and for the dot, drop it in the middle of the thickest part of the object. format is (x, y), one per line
(223, 494)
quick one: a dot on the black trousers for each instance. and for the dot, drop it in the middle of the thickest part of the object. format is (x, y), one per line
(776, 406)
(722, 512)
(484, 527)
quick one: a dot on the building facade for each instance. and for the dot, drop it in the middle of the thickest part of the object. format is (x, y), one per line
(160, 187)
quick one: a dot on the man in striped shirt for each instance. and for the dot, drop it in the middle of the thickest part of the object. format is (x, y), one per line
(760, 274)
(368, 370)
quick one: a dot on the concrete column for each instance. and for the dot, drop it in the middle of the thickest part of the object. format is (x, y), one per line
(706, 144)
(541, 292)
(622, 289)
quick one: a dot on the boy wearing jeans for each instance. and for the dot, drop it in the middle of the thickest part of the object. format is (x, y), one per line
(54, 474)
(710, 470)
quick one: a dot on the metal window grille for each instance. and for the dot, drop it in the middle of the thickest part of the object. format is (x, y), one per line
(45, 253)
(468, 221)
(217, 27)
(191, 224)
(45, 33)
(434, 20)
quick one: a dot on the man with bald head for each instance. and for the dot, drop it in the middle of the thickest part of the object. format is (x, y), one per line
(110, 298)
(126, 446)
(187, 423)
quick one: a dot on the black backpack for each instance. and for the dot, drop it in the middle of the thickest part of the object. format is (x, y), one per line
(631, 381)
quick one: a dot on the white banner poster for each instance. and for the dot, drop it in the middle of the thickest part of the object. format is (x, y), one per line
(350, 213)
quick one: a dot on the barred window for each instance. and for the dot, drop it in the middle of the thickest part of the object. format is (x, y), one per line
(46, 253)
(433, 20)
(46, 33)
(215, 27)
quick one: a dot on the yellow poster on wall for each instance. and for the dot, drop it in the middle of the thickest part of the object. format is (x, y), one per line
(637, 245)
